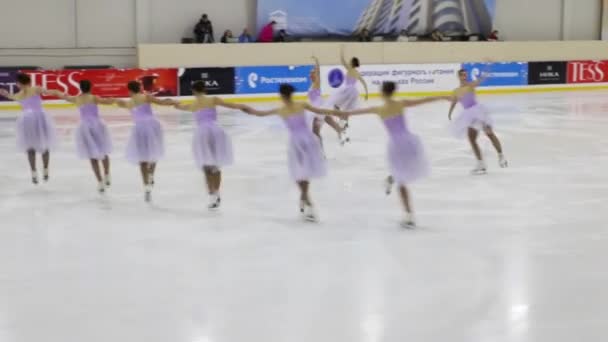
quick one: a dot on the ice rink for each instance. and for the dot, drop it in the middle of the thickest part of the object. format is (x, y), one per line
(516, 255)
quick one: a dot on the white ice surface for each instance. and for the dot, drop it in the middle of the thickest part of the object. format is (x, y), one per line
(517, 255)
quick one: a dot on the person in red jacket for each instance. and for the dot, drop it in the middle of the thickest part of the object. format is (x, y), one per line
(267, 33)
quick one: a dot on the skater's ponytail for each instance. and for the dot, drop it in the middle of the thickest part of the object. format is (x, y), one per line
(388, 88)
(286, 90)
(134, 87)
(85, 86)
(199, 87)
(24, 79)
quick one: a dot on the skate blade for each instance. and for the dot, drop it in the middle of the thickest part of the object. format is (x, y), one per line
(311, 219)
(479, 172)
(408, 225)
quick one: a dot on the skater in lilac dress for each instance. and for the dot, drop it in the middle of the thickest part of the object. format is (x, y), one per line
(146, 143)
(305, 157)
(35, 129)
(406, 158)
(347, 97)
(92, 136)
(474, 118)
(211, 147)
(316, 99)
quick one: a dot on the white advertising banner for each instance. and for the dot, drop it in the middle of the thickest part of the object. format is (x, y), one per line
(410, 78)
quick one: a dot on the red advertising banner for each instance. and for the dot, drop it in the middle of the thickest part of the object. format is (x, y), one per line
(107, 82)
(588, 72)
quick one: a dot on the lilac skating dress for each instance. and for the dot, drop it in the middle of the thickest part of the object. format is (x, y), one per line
(406, 158)
(473, 115)
(92, 136)
(146, 143)
(35, 128)
(346, 97)
(210, 145)
(305, 157)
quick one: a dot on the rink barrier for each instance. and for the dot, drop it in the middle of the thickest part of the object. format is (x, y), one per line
(259, 84)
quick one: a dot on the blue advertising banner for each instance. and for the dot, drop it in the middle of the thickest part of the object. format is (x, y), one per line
(312, 18)
(8, 81)
(498, 74)
(267, 79)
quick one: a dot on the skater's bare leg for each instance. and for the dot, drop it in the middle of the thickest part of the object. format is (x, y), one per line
(316, 129)
(31, 158)
(106, 165)
(144, 169)
(405, 199)
(493, 138)
(304, 197)
(96, 171)
(333, 124)
(209, 179)
(473, 141)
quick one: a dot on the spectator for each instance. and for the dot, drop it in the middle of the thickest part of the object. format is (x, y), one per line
(227, 37)
(245, 37)
(364, 36)
(203, 31)
(493, 37)
(282, 37)
(437, 36)
(267, 33)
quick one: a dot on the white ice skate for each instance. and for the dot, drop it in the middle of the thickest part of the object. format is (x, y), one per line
(45, 175)
(502, 161)
(214, 201)
(101, 188)
(148, 194)
(480, 169)
(310, 215)
(344, 138)
(302, 207)
(107, 180)
(35, 177)
(408, 222)
(388, 185)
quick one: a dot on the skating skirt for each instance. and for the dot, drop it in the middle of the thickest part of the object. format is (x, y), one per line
(406, 159)
(305, 157)
(345, 98)
(211, 146)
(146, 143)
(476, 117)
(35, 131)
(93, 140)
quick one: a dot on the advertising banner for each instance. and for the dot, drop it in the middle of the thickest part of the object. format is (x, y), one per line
(409, 77)
(384, 17)
(267, 79)
(107, 82)
(218, 81)
(8, 82)
(588, 72)
(547, 72)
(498, 74)
(604, 19)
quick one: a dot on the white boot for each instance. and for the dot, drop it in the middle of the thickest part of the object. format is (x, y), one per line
(502, 161)
(107, 180)
(480, 169)
(148, 193)
(45, 175)
(388, 184)
(310, 215)
(408, 221)
(35, 177)
(214, 201)
(101, 188)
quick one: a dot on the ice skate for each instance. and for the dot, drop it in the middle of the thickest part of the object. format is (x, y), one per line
(148, 194)
(310, 215)
(45, 175)
(480, 169)
(344, 138)
(408, 222)
(107, 180)
(34, 177)
(101, 188)
(214, 202)
(388, 185)
(502, 161)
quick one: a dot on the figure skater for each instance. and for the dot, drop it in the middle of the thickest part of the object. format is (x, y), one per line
(146, 143)
(211, 146)
(35, 129)
(474, 118)
(406, 158)
(347, 97)
(316, 100)
(305, 157)
(92, 137)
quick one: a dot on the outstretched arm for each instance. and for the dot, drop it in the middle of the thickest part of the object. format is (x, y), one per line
(256, 112)
(322, 111)
(220, 102)
(360, 78)
(343, 58)
(104, 100)
(418, 102)
(362, 111)
(484, 75)
(5, 93)
(164, 102)
(63, 96)
(122, 103)
(182, 106)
